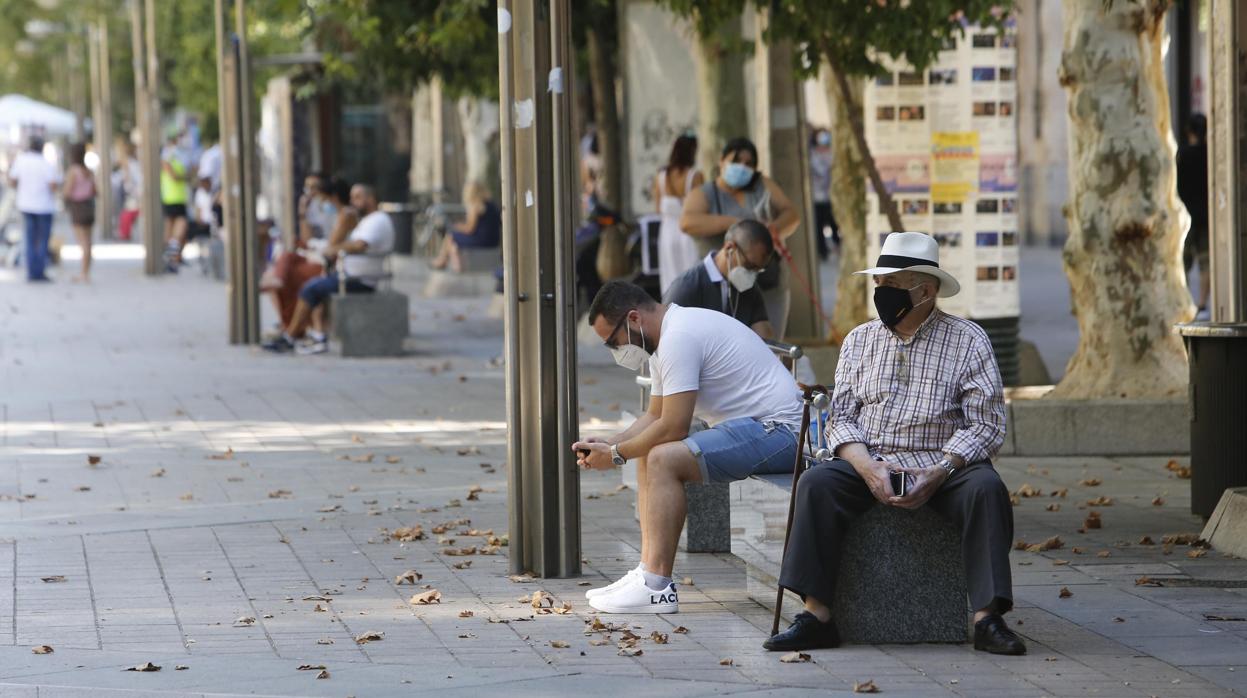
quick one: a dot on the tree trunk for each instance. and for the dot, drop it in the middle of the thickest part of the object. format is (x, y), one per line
(854, 105)
(602, 79)
(848, 200)
(721, 107)
(1124, 253)
(478, 119)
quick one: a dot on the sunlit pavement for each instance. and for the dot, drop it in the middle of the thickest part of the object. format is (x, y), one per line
(223, 510)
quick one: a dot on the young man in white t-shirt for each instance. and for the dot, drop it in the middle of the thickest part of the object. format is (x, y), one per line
(364, 252)
(36, 181)
(703, 364)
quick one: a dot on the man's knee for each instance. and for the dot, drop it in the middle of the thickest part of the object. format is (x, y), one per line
(671, 461)
(829, 477)
(984, 484)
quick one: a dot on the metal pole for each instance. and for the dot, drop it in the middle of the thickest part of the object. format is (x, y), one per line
(153, 227)
(230, 187)
(249, 168)
(104, 133)
(539, 194)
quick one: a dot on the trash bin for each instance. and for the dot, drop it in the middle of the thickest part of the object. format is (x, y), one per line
(1218, 401)
(403, 216)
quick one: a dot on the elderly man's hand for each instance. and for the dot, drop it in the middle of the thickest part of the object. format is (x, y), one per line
(877, 479)
(926, 482)
(593, 454)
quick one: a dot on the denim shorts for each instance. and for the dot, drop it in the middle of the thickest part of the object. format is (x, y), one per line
(738, 448)
(318, 290)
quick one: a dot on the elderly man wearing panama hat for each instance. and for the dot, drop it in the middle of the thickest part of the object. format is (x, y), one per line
(917, 392)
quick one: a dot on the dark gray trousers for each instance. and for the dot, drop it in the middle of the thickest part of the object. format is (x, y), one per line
(831, 495)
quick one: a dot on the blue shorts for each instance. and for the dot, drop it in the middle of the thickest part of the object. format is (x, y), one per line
(738, 448)
(318, 290)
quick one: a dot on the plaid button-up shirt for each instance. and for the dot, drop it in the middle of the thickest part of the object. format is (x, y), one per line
(913, 400)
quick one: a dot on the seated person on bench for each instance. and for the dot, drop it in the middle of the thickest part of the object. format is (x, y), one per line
(363, 262)
(481, 230)
(704, 364)
(917, 391)
(725, 279)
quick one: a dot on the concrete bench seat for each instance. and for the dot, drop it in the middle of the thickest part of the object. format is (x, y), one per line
(476, 279)
(901, 578)
(371, 324)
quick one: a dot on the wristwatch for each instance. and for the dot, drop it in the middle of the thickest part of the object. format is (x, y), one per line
(948, 466)
(617, 459)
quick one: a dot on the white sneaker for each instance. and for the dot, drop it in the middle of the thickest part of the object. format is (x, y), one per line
(590, 593)
(634, 597)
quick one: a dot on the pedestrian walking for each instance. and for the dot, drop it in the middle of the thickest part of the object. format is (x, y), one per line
(79, 194)
(132, 188)
(1193, 190)
(677, 251)
(36, 181)
(174, 195)
(821, 159)
(741, 192)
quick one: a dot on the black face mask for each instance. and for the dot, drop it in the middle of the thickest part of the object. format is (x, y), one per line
(893, 304)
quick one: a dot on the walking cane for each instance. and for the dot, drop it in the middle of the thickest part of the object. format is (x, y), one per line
(820, 402)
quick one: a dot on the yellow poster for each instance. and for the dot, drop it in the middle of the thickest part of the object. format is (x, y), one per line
(954, 166)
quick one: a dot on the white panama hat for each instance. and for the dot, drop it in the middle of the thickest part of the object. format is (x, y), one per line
(913, 252)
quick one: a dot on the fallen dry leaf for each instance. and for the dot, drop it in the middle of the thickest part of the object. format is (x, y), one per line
(1052, 543)
(1053, 507)
(228, 455)
(600, 641)
(54, 578)
(158, 472)
(310, 667)
(1076, 551)
(1026, 490)
(465, 614)
(1060, 493)
(1093, 520)
(1058, 563)
(370, 636)
(145, 666)
(280, 494)
(93, 460)
(474, 493)
(462, 565)
(1100, 501)
(187, 497)
(1180, 538)
(727, 661)
(1198, 552)
(541, 599)
(630, 652)
(1104, 553)
(1065, 593)
(1182, 471)
(865, 686)
(244, 621)
(408, 533)
(1090, 482)
(42, 649)
(425, 598)
(559, 644)
(1118, 619)
(408, 577)
(1148, 582)
(1158, 502)
(680, 630)
(658, 638)
(330, 509)
(323, 675)
(795, 658)
(454, 552)
(521, 578)
(1146, 540)
(356, 438)
(325, 641)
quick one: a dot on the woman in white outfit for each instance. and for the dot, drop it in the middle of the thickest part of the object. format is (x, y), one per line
(676, 249)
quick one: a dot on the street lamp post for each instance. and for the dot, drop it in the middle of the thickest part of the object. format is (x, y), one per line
(539, 205)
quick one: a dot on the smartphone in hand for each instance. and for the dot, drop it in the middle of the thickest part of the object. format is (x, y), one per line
(898, 482)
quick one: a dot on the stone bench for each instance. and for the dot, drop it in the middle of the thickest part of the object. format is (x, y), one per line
(371, 324)
(476, 279)
(901, 579)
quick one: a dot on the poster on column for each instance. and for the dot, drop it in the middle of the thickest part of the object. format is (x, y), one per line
(945, 142)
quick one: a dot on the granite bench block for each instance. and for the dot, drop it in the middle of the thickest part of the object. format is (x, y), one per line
(709, 527)
(371, 324)
(901, 579)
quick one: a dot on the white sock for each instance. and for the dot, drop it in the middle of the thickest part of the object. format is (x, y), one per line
(655, 582)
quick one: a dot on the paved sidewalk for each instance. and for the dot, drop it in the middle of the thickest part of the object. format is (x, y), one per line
(242, 521)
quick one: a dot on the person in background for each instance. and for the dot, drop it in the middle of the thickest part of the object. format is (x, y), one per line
(1193, 189)
(726, 280)
(36, 181)
(317, 210)
(294, 268)
(821, 158)
(132, 188)
(79, 195)
(677, 252)
(363, 264)
(482, 229)
(739, 193)
(174, 196)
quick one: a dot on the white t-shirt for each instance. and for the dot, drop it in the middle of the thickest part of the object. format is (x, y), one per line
(376, 230)
(203, 207)
(35, 177)
(210, 165)
(733, 371)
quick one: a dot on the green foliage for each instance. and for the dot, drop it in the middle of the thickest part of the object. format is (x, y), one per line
(402, 43)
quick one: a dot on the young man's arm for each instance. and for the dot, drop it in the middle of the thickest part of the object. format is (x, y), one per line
(672, 425)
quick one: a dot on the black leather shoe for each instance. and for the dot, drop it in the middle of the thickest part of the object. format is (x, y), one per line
(806, 633)
(992, 635)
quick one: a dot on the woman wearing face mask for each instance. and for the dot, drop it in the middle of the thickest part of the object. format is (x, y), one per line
(677, 252)
(740, 192)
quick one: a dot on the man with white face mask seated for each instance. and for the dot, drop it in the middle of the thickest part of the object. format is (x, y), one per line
(703, 364)
(726, 279)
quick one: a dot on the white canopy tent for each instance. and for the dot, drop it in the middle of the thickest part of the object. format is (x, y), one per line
(18, 112)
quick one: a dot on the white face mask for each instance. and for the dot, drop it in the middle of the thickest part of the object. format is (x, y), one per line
(629, 355)
(740, 278)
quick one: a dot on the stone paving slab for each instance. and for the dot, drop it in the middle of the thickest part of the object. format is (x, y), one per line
(233, 484)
